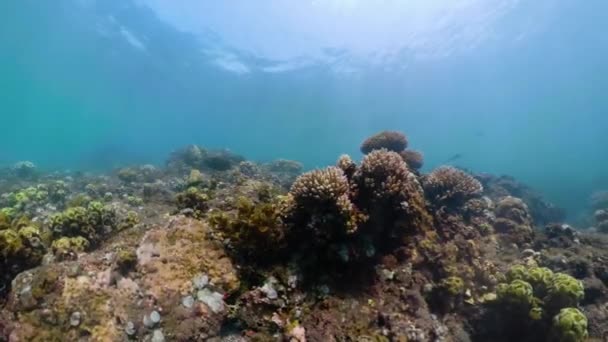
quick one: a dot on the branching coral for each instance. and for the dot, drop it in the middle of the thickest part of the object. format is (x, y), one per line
(448, 185)
(413, 159)
(513, 220)
(390, 140)
(386, 190)
(319, 200)
(347, 165)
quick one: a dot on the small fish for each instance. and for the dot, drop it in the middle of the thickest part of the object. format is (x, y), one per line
(454, 157)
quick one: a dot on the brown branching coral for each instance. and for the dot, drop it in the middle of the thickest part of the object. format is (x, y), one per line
(347, 165)
(449, 185)
(390, 140)
(386, 189)
(320, 200)
(413, 159)
(513, 220)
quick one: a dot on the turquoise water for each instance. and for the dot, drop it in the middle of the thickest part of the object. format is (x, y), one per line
(515, 87)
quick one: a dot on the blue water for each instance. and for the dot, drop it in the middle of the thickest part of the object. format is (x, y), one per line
(515, 87)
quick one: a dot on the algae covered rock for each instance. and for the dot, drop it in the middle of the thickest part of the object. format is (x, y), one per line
(69, 300)
(20, 249)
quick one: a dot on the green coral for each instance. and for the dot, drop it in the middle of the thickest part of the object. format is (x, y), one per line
(20, 249)
(564, 290)
(129, 221)
(194, 199)
(532, 296)
(91, 223)
(536, 313)
(453, 285)
(517, 292)
(570, 325)
(126, 260)
(517, 272)
(67, 247)
(540, 278)
(128, 175)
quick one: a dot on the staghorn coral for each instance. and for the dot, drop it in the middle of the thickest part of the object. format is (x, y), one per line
(390, 140)
(447, 185)
(413, 159)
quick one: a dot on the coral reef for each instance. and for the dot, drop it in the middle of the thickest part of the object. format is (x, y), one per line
(211, 247)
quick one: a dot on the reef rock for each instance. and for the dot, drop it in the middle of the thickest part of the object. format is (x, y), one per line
(90, 299)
